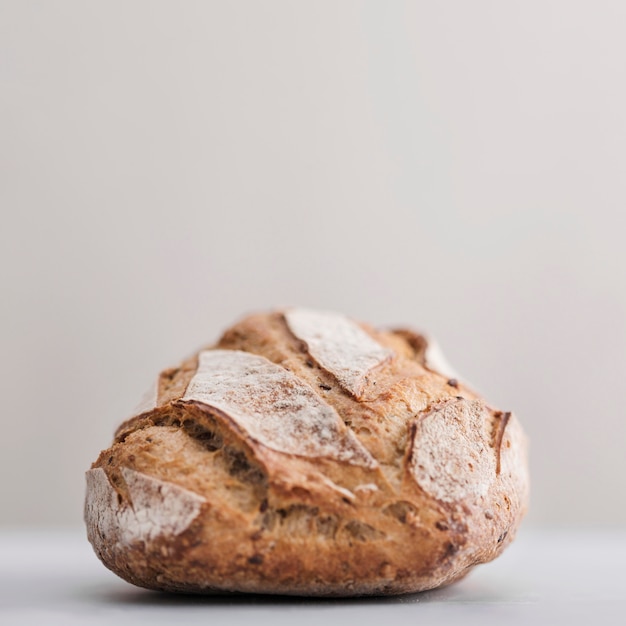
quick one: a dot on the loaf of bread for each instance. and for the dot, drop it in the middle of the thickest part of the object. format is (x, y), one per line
(306, 453)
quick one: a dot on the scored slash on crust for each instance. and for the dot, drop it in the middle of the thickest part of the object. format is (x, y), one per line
(273, 406)
(339, 345)
(156, 507)
(451, 456)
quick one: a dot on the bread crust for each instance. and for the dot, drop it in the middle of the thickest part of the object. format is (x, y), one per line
(307, 454)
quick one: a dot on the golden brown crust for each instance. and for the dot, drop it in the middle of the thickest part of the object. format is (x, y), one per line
(396, 479)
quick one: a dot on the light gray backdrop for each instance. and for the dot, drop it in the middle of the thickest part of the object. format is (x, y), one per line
(457, 166)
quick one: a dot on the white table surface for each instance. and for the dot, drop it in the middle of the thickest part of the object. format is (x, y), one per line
(545, 577)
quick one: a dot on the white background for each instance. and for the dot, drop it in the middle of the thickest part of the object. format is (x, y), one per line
(166, 167)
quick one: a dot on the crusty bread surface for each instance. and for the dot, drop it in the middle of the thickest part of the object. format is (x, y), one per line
(306, 453)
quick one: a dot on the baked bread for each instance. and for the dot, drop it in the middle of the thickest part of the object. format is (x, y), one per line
(308, 454)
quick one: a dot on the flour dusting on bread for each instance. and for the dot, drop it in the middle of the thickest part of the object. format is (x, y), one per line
(452, 458)
(435, 360)
(156, 508)
(339, 345)
(273, 406)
